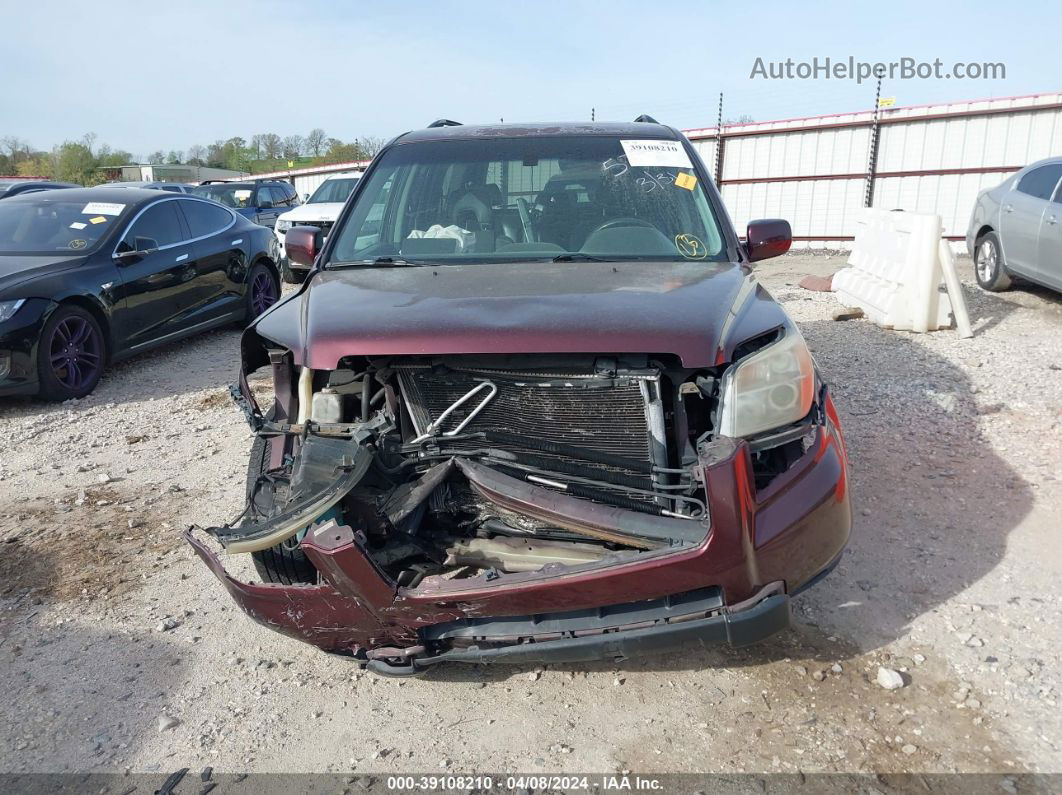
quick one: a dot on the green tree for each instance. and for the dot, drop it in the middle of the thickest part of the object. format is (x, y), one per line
(215, 155)
(340, 152)
(35, 166)
(256, 145)
(109, 158)
(74, 162)
(236, 154)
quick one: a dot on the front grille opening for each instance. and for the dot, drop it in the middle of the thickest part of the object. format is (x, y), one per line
(534, 414)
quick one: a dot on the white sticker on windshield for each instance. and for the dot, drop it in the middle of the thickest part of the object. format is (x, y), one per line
(665, 154)
(78, 225)
(102, 208)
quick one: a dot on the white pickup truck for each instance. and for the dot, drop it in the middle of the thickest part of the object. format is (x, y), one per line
(320, 210)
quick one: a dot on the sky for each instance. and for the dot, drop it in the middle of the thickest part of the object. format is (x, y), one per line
(144, 77)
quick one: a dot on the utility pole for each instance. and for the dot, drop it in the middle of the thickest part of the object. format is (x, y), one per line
(875, 132)
(719, 144)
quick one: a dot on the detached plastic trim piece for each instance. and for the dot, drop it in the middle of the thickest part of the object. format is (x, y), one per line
(253, 537)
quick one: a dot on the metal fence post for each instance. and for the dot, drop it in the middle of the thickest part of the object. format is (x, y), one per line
(719, 147)
(872, 160)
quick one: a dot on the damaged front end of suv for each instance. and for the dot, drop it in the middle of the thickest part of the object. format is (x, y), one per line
(555, 451)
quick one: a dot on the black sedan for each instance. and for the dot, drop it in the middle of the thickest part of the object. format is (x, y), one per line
(93, 275)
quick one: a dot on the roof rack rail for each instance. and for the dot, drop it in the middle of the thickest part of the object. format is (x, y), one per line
(444, 123)
(234, 179)
(646, 119)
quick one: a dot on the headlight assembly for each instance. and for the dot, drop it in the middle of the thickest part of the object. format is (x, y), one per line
(9, 308)
(283, 226)
(773, 387)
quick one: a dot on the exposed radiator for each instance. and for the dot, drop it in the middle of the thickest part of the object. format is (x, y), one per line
(611, 415)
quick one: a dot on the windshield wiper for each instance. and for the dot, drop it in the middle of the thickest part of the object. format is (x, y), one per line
(395, 262)
(578, 257)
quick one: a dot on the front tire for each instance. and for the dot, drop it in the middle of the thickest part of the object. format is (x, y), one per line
(291, 276)
(71, 354)
(262, 291)
(989, 267)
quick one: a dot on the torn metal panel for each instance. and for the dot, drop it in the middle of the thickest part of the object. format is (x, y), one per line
(581, 516)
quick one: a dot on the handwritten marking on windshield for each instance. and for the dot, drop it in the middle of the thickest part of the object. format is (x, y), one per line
(651, 182)
(690, 247)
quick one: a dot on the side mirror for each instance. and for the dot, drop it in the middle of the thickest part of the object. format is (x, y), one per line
(303, 243)
(265, 204)
(766, 238)
(306, 197)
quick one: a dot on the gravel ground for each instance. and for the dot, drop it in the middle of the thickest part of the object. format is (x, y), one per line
(109, 625)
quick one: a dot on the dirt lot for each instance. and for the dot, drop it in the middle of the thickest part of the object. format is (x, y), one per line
(108, 623)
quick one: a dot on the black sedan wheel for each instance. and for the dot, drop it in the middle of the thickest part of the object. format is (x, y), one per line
(71, 354)
(262, 291)
(989, 267)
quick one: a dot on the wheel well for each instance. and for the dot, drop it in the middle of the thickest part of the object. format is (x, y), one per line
(269, 264)
(984, 230)
(93, 309)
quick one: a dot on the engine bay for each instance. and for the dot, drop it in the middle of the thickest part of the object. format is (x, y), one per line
(482, 466)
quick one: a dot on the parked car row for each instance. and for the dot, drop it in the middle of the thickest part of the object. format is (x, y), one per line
(1014, 232)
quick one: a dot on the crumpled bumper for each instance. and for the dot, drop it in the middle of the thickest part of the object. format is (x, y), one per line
(780, 538)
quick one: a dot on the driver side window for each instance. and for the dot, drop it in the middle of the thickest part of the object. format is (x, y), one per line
(159, 223)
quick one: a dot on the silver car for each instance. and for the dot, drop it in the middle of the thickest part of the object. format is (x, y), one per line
(1016, 229)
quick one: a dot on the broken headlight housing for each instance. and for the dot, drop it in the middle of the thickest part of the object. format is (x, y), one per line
(770, 388)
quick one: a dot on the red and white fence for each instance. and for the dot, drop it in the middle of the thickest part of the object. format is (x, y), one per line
(815, 172)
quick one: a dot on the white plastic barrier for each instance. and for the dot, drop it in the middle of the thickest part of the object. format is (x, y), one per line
(895, 272)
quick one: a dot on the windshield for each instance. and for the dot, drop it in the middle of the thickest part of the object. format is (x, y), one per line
(333, 190)
(238, 196)
(45, 225)
(511, 199)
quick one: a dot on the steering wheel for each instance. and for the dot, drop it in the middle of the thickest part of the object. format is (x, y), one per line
(614, 222)
(530, 236)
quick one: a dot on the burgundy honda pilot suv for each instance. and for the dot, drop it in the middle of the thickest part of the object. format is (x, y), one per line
(531, 406)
